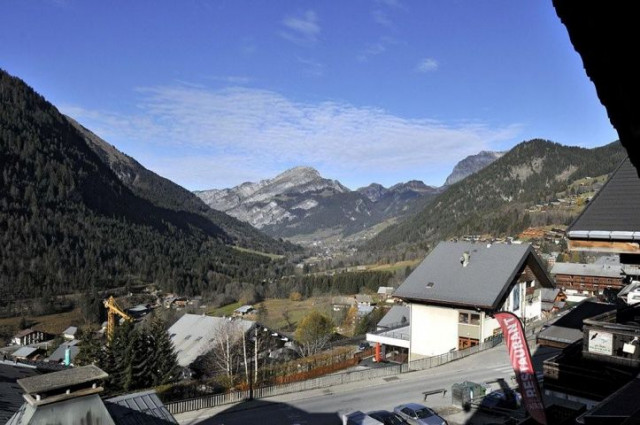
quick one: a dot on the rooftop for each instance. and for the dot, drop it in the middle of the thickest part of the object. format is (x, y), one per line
(568, 328)
(244, 309)
(471, 274)
(142, 408)
(193, 334)
(63, 379)
(397, 315)
(24, 332)
(613, 213)
(24, 351)
(10, 390)
(71, 330)
(599, 270)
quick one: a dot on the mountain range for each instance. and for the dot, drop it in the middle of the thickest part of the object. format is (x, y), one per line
(302, 205)
(497, 198)
(300, 202)
(76, 213)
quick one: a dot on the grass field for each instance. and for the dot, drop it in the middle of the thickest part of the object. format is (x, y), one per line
(400, 265)
(265, 254)
(276, 310)
(295, 309)
(54, 324)
(225, 310)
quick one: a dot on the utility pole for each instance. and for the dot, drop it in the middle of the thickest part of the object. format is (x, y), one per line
(255, 344)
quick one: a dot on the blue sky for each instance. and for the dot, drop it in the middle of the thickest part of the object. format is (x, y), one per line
(214, 93)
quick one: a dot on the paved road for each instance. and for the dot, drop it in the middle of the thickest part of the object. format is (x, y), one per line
(323, 406)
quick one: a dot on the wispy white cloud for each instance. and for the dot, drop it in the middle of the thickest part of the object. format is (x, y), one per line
(375, 49)
(427, 65)
(231, 79)
(381, 17)
(242, 132)
(302, 29)
(390, 3)
(312, 67)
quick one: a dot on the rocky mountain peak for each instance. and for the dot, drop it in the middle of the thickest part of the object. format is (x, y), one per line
(301, 172)
(471, 164)
(374, 191)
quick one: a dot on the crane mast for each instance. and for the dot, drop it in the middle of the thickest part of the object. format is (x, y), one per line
(112, 311)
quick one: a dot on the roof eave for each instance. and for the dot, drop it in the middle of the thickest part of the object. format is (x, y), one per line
(449, 304)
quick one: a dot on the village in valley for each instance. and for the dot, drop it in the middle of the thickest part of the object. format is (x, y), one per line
(445, 309)
(508, 293)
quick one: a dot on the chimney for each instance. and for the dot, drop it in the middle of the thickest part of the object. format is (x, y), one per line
(464, 260)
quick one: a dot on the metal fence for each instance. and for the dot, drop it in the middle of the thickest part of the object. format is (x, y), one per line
(208, 401)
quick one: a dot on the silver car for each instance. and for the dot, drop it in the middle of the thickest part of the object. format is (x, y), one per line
(418, 414)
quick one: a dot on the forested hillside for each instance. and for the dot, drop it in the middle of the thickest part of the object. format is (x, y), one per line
(166, 194)
(67, 222)
(494, 200)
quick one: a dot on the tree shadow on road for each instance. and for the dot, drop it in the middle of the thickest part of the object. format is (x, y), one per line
(262, 412)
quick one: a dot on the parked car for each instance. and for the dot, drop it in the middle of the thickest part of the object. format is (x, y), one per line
(387, 418)
(510, 400)
(417, 414)
(363, 346)
(359, 418)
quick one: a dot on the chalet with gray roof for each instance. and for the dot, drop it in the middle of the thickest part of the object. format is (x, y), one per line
(70, 333)
(193, 334)
(30, 336)
(453, 293)
(582, 281)
(243, 310)
(27, 353)
(72, 397)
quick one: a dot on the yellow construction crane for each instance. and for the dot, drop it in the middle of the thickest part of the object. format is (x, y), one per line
(112, 311)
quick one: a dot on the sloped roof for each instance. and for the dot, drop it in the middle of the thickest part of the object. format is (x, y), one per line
(192, 335)
(62, 379)
(568, 328)
(492, 269)
(363, 310)
(71, 330)
(244, 309)
(65, 412)
(24, 332)
(613, 213)
(58, 354)
(364, 298)
(24, 351)
(599, 270)
(385, 290)
(10, 391)
(394, 316)
(549, 294)
(142, 408)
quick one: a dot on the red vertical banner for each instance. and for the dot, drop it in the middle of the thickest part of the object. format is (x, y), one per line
(523, 367)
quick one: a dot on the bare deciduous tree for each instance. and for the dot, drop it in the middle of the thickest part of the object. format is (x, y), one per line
(224, 350)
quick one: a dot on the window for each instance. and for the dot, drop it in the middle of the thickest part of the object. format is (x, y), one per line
(516, 298)
(469, 318)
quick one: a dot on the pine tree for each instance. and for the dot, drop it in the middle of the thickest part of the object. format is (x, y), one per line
(165, 358)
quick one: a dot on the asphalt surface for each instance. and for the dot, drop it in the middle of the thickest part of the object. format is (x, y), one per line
(324, 406)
